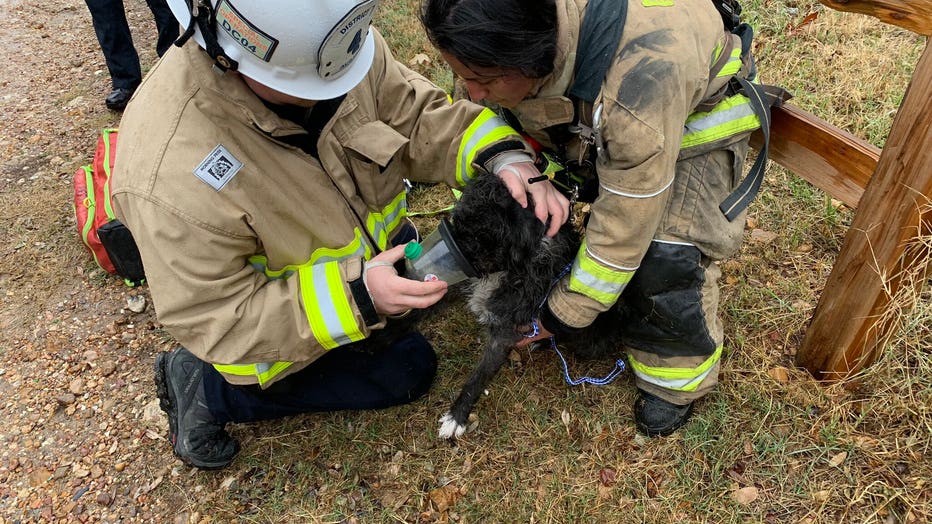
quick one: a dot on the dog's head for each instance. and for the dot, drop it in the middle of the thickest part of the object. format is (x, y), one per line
(492, 230)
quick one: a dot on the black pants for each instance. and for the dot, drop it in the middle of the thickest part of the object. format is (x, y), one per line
(348, 377)
(116, 42)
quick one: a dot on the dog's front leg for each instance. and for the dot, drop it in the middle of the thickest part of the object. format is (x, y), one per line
(453, 423)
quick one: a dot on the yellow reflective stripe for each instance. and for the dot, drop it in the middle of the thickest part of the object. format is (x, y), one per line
(657, 3)
(260, 264)
(733, 65)
(484, 130)
(356, 248)
(379, 224)
(263, 371)
(592, 279)
(106, 137)
(90, 203)
(327, 308)
(339, 317)
(731, 116)
(679, 379)
(717, 52)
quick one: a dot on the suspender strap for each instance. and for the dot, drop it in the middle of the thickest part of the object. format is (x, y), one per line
(599, 36)
(762, 98)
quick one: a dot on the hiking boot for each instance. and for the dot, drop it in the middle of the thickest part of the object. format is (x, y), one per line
(196, 437)
(655, 417)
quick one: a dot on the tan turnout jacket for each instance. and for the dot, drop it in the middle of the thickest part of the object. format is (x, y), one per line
(252, 247)
(662, 74)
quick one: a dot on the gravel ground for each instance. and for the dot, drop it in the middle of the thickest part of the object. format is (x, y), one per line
(84, 440)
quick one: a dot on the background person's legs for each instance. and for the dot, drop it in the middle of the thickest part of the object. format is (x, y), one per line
(166, 24)
(116, 42)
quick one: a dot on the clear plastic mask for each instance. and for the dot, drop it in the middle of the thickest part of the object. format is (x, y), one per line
(437, 258)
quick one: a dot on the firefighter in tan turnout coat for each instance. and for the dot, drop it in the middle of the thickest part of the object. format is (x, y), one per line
(263, 183)
(643, 108)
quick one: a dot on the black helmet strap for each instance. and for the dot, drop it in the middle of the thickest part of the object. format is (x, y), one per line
(203, 14)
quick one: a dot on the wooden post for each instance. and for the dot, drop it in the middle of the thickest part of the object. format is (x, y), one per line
(851, 323)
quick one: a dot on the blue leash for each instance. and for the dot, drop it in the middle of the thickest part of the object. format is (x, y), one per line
(607, 379)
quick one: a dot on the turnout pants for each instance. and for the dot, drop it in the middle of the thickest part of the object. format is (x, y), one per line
(355, 376)
(673, 334)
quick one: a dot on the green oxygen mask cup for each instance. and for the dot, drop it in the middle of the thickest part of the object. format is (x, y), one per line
(437, 258)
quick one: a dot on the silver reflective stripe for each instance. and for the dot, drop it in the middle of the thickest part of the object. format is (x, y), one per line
(673, 242)
(685, 384)
(326, 307)
(591, 281)
(380, 224)
(633, 195)
(607, 263)
(718, 118)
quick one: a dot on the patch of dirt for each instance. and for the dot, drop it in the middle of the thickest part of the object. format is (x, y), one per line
(84, 440)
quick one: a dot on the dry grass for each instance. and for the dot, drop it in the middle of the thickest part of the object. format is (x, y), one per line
(770, 445)
(546, 452)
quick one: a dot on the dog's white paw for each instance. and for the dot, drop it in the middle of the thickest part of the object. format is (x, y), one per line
(449, 428)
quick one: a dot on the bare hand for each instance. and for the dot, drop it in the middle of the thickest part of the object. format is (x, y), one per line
(395, 295)
(548, 201)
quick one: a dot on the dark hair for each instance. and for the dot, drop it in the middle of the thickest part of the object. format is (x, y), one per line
(510, 34)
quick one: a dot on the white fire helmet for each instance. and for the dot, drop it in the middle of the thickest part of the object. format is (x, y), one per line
(310, 49)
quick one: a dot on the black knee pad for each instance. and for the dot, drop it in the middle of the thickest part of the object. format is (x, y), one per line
(662, 305)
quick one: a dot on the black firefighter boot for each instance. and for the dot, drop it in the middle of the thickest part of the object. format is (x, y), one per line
(196, 436)
(655, 417)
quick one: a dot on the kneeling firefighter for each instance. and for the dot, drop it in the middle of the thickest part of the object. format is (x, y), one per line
(643, 108)
(261, 170)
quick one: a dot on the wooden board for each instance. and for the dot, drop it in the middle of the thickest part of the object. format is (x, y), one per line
(830, 158)
(915, 15)
(850, 326)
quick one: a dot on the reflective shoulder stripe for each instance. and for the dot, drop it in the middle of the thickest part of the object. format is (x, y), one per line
(380, 223)
(263, 372)
(678, 379)
(484, 130)
(594, 280)
(731, 116)
(327, 307)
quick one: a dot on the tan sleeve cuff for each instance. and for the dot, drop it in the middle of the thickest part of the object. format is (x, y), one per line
(572, 309)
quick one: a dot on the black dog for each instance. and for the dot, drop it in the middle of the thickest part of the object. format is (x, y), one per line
(517, 264)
